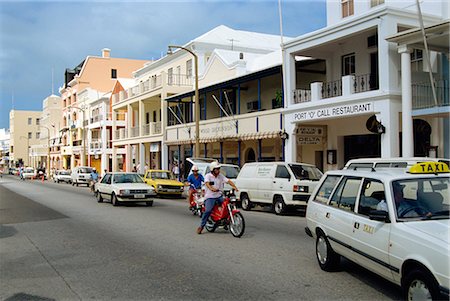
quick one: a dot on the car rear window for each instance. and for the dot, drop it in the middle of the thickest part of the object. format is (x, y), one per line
(306, 172)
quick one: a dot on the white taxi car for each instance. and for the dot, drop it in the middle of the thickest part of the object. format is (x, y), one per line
(121, 187)
(394, 222)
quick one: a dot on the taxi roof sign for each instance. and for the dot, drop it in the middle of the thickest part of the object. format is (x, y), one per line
(429, 167)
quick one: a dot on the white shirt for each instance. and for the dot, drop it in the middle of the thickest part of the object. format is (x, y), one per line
(219, 181)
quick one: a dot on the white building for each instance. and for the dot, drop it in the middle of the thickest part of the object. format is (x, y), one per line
(4, 148)
(338, 77)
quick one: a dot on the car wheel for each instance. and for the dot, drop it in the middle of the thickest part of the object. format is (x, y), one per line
(279, 207)
(420, 285)
(327, 258)
(149, 204)
(114, 200)
(99, 197)
(245, 202)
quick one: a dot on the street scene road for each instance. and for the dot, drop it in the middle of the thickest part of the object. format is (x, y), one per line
(58, 243)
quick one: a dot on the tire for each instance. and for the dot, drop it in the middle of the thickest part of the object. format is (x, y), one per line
(245, 202)
(149, 203)
(210, 225)
(420, 285)
(114, 200)
(238, 227)
(326, 257)
(279, 207)
(99, 197)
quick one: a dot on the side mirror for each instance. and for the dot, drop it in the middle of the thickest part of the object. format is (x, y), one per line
(379, 215)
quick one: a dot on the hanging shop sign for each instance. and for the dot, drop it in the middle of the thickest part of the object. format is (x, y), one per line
(310, 131)
(333, 112)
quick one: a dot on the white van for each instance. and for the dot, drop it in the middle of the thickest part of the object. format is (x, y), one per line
(81, 175)
(278, 184)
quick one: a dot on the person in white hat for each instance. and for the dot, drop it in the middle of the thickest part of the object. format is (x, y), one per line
(214, 182)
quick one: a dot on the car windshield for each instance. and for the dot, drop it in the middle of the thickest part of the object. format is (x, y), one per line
(64, 172)
(424, 198)
(85, 170)
(127, 178)
(306, 172)
(164, 175)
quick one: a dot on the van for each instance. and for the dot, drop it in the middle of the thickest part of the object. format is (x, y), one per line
(81, 175)
(278, 184)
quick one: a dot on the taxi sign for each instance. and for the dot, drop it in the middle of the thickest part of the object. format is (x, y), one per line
(429, 167)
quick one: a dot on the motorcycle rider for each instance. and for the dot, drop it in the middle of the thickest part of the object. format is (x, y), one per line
(94, 179)
(194, 181)
(214, 182)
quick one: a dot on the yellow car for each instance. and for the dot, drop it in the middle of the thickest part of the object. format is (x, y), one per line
(164, 182)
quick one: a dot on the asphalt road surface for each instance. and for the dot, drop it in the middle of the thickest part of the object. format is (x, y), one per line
(58, 243)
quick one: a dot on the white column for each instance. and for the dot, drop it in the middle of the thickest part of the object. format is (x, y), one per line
(316, 91)
(114, 159)
(72, 161)
(141, 158)
(164, 147)
(347, 85)
(141, 117)
(407, 122)
(114, 126)
(129, 120)
(291, 142)
(388, 116)
(289, 78)
(128, 158)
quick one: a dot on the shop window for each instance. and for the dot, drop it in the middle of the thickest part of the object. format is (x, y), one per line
(347, 8)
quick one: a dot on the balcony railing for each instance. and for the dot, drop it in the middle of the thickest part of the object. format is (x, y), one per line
(97, 118)
(153, 128)
(121, 134)
(135, 131)
(332, 89)
(301, 95)
(365, 82)
(422, 95)
(179, 80)
(95, 145)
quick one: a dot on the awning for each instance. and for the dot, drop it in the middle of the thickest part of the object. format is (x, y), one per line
(237, 137)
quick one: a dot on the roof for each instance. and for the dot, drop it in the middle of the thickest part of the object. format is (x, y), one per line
(437, 37)
(127, 82)
(385, 174)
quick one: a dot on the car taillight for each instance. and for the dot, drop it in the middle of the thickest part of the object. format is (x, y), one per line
(300, 188)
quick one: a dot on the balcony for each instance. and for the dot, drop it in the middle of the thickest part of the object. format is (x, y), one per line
(134, 132)
(96, 118)
(347, 85)
(153, 128)
(121, 134)
(422, 95)
(95, 145)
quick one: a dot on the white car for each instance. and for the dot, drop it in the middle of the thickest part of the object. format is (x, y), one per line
(390, 162)
(81, 175)
(29, 173)
(394, 222)
(62, 176)
(122, 187)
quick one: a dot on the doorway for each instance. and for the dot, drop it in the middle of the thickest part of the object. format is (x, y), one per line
(251, 156)
(362, 146)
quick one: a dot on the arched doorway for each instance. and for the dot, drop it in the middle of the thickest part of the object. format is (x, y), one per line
(250, 156)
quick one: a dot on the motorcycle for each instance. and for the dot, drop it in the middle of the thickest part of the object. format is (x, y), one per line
(226, 216)
(196, 201)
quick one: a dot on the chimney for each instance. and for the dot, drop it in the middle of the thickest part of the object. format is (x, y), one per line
(106, 52)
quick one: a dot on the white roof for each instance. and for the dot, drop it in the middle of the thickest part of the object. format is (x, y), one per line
(224, 35)
(265, 61)
(127, 82)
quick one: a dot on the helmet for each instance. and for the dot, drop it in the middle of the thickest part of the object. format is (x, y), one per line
(214, 165)
(195, 167)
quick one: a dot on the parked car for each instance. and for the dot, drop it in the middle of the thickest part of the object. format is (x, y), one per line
(393, 222)
(62, 176)
(29, 173)
(164, 182)
(81, 175)
(123, 187)
(278, 184)
(390, 162)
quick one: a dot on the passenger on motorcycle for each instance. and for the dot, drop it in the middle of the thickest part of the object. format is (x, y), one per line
(214, 182)
(194, 181)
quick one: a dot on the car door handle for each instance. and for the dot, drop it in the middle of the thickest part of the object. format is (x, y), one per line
(356, 225)
(274, 181)
(327, 215)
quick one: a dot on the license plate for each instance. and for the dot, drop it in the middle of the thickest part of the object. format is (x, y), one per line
(139, 196)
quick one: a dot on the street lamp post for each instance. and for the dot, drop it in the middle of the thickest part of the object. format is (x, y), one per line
(48, 150)
(84, 130)
(28, 149)
(197, 101)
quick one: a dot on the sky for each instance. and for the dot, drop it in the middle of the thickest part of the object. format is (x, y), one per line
(41, 38)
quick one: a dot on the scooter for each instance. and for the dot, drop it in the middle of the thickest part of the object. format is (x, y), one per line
(196, 201)
(226, 216)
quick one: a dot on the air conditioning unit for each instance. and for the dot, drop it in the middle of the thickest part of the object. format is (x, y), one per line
(252, 106)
